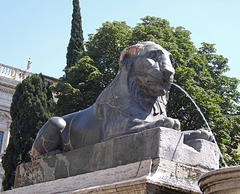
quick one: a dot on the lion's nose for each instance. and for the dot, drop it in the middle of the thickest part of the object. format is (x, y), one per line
(168, 71)
(167, 67)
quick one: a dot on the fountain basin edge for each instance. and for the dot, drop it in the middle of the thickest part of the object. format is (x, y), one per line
(223, 180)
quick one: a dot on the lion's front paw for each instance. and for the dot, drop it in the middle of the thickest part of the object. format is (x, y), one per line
(169, 123)
(198, 134)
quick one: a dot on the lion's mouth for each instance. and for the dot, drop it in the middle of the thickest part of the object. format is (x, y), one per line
(158, 89)
(166, 84)
(163, 80)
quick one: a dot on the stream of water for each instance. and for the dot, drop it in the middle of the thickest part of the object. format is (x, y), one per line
(209, 129)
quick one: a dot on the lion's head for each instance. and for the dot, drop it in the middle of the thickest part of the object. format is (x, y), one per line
(152, 67)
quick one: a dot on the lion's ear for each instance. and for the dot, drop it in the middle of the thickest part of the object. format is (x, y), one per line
(124, 62)
(129, 53)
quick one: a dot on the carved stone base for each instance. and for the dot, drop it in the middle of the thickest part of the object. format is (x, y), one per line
(150, 160)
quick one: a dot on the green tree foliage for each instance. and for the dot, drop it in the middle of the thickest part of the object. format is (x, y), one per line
(75, 47)
(105, 46)
(199, 71)
(78, 89)
(29, 111)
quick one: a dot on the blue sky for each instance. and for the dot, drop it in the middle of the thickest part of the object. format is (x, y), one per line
(41, 29)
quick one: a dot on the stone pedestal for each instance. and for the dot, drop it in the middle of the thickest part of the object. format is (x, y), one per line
(153, 160)
(221, 181)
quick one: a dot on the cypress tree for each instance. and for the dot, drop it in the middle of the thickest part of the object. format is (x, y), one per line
(75, 46)
(82, 82)
(29, 111)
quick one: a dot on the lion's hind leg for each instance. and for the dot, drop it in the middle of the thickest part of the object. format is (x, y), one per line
(49, 137)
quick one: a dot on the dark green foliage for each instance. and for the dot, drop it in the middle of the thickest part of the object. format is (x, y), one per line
(29, 111)
(79, 88)
(75, 47)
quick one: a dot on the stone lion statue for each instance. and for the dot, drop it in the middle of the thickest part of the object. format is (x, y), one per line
(135, 100)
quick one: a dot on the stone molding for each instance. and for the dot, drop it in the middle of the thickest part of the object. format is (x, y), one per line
(4, 117)
(8, 85)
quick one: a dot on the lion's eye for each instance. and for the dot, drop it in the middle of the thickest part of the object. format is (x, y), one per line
(152, 55)
(155, 54)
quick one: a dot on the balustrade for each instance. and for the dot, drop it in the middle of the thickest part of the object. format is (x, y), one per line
(13, 73)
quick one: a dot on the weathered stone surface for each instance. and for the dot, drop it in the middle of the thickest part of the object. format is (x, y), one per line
(157, 156)
(131, 178)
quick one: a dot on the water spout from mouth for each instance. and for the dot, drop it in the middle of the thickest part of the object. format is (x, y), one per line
(209, 129)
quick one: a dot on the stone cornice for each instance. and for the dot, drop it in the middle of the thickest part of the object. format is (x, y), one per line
(4, 116)
(8, 85)
(7, 88)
